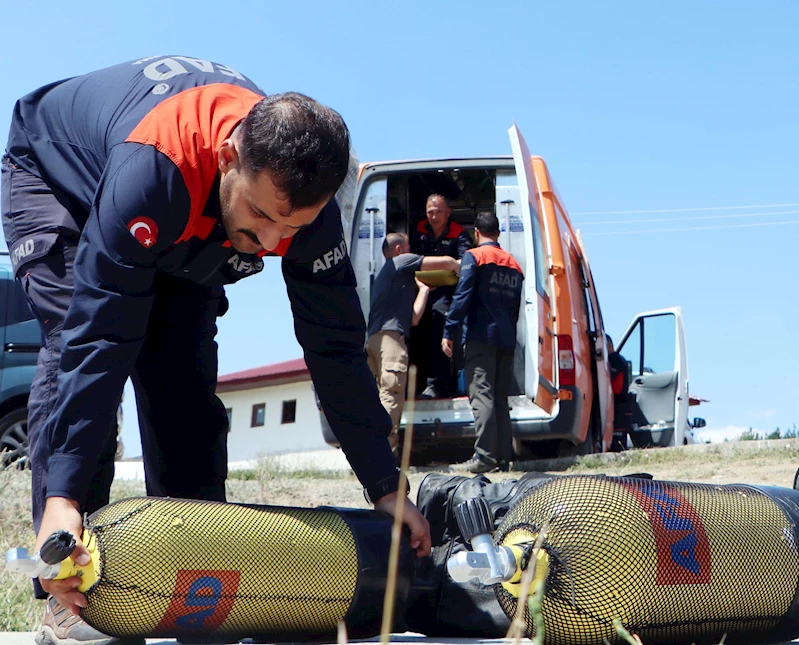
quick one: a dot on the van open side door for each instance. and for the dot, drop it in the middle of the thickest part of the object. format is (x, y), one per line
(656, 412)
(539, 346)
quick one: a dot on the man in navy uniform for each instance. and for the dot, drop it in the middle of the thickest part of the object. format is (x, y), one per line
(130, 197)
(487, 299)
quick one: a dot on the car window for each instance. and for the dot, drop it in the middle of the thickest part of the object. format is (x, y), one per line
(651, 345)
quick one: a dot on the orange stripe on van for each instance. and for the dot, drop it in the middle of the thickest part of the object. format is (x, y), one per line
(189, 128)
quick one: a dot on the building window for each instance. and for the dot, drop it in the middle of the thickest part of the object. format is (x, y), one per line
(289, 411)
(258, 415)
(229, 418)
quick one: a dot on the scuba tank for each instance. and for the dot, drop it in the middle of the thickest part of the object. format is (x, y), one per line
(673, 562)
(174, 568)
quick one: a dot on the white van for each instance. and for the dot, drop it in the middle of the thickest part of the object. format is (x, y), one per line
(561, 401)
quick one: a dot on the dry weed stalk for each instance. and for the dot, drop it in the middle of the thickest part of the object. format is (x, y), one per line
(393, 556)
(518, 626)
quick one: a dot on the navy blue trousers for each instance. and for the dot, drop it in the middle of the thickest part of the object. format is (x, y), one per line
(183, 424)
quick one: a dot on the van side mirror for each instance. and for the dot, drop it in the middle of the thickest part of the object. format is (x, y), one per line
(698, 422)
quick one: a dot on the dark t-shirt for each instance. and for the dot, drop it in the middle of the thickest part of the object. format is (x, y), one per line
(393, 293)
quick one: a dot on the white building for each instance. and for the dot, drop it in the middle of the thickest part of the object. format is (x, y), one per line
(272, 409)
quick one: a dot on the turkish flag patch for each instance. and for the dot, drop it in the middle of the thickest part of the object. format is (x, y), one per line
(145, 230)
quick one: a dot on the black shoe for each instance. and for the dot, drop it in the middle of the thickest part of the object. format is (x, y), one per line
(61, 627)
(475, 465)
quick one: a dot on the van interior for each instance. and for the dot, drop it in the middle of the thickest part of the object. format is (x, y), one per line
(469, 191)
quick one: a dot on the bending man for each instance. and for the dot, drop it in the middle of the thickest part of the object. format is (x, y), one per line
(395, 307)
(131, 196)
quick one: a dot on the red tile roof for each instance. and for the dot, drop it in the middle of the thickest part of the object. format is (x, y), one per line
(286, 372)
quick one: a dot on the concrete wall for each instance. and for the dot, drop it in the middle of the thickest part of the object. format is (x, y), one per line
(246, 442)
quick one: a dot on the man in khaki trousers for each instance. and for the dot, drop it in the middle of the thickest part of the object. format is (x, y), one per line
(397, 303)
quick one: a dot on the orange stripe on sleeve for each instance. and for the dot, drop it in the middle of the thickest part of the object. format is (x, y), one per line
(494, 255)
(189, 128)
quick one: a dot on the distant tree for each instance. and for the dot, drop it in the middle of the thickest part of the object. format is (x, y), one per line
(773, 435)
(791, 433)
(749, 435)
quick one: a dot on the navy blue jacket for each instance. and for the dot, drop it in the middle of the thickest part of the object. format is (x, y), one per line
(135, 146)
(487, 297)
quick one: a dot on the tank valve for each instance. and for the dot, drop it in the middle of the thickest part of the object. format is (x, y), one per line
(47, 562)
(486, 561)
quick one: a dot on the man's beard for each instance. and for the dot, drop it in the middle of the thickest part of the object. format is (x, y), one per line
(225, 191)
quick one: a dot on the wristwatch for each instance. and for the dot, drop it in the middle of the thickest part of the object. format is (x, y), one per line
(384, 487)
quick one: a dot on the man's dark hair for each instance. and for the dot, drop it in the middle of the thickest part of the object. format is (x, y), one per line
(304, 145)
(391, 240)
(487, 224)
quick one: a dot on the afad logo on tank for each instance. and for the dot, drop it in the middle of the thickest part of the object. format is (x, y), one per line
(201, 601)
(683, 550)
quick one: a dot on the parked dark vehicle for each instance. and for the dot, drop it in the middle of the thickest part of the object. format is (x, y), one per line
(21, 340)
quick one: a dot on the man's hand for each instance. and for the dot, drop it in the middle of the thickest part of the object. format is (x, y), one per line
(412, 518)
(62, 514)
(446, 346)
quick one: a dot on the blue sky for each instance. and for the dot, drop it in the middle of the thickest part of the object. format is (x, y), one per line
(635, 106)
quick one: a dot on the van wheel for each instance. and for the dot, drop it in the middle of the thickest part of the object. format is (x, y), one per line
(14, 440)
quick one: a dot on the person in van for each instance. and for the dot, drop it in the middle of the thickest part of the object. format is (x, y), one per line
(437, 236)
(487, 298)
(395, 307)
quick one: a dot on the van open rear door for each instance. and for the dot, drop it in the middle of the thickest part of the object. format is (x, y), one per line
(657, 409)
(596, 327)
(539, 357)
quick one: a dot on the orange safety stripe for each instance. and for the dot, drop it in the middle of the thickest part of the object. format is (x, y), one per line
(189, 128)
(488, 254)
(454, 229)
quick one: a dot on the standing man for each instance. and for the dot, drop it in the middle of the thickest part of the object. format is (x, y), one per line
(394, 308)
(130, 196)
(438, 236)
(487, 298)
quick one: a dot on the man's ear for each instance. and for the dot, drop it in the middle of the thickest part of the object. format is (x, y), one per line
(228, 156)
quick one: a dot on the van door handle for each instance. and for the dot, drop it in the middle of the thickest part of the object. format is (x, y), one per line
(639, 381)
